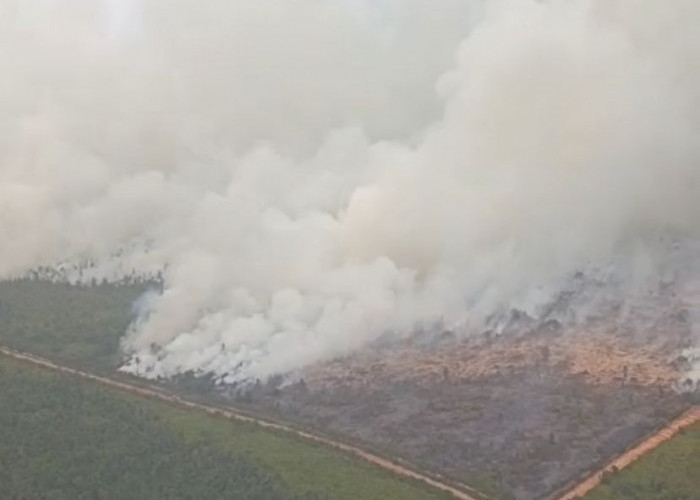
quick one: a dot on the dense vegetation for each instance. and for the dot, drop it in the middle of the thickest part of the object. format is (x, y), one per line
(66, 435)
(64, 439)
(668, 473)
(80, 325)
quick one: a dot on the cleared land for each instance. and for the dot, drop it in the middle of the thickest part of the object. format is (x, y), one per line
(508, 417)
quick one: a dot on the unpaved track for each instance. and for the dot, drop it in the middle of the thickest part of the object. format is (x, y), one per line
(624, 460)
(376, 460)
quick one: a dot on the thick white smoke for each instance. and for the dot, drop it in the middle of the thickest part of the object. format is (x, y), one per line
(311, 175)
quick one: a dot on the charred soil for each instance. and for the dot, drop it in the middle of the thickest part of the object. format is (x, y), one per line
(514, 417)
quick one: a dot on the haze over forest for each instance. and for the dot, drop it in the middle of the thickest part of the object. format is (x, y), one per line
(309, 176)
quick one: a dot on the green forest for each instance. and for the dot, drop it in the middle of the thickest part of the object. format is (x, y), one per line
(76, 324)
(668, 473)
(64, 439)
(67, 438)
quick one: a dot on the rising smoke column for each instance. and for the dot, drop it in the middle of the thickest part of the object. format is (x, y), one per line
(310, 176)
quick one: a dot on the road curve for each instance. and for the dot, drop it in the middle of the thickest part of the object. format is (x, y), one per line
(674, 427)
(376, 460)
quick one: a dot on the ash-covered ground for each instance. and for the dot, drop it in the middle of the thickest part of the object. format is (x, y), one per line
(516, 415)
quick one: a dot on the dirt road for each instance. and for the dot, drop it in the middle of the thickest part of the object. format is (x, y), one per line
(624, 460)
(383, 463)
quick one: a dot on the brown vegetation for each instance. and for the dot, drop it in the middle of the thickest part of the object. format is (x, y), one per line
(597, 357)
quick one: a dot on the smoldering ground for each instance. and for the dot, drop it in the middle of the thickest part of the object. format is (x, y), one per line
(311, 175)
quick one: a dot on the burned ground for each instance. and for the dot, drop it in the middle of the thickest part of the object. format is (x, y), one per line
(516, 417)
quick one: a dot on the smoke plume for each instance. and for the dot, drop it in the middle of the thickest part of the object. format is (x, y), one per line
(312, 175)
